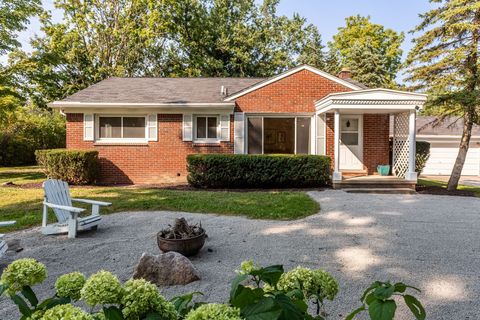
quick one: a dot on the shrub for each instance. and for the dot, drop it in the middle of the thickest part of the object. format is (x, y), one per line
(257, 171)
(214, 311)
(29, 129)
(141, 298)
(69, 285)
(422, 155)
(66, 312)
(72, 166)
(22, 273)
(101, 288)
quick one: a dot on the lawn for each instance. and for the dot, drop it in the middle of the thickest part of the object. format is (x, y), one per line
(443, 185)
(24, 203)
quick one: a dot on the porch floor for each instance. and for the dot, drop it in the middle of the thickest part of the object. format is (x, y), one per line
(375, 184)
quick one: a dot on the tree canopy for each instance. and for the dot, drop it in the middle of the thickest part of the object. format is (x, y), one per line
(382, 47)
(445, 63)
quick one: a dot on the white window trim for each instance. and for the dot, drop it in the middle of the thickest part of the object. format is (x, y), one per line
(120, 140)
(216, 140)
(276, 116)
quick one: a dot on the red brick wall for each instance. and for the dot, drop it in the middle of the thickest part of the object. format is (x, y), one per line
(158, 162)
(376, 144)
(295, 93)
(375, 140)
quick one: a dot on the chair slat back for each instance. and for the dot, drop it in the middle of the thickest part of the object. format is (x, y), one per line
(57, 192)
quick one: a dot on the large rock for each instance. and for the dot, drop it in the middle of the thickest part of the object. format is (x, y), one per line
(166, 269)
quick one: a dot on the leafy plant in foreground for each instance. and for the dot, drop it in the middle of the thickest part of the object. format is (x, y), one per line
(378, 301)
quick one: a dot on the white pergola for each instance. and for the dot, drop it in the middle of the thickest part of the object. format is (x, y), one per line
(402, 105)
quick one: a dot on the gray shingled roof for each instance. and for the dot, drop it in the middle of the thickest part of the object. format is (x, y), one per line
(161, 90)
(447, 127)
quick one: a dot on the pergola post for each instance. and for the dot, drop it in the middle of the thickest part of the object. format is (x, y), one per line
(411, 173)
(337, 175)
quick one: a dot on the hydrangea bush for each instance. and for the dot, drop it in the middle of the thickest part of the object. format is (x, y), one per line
(69, 285)
(66, 312)
(22, 273)
(256, 293)
(142, 297)
(213, 311)
(101, 288)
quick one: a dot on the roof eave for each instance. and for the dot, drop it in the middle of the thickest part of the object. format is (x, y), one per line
(76, 104)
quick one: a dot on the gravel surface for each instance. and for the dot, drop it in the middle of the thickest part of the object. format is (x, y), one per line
(431, 242)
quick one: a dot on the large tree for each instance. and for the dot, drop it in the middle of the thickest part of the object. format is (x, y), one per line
(445, 63)
(381, 42)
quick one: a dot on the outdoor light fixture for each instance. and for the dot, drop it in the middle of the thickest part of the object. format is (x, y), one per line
(348, 123)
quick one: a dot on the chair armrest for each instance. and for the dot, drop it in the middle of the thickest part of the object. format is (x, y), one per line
(99, 203)
(7, 223)
(66, 208)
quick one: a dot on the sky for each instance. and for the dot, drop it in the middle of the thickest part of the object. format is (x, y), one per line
(327, 15)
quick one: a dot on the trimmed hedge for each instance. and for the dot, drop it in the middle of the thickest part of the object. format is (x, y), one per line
(422, 155)
(257, 171)
(72, 166)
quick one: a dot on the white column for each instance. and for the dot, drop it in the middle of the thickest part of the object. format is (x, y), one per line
(337, 175)
(411, 174)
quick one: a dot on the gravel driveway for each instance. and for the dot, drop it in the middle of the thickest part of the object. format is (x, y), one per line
(431, 242)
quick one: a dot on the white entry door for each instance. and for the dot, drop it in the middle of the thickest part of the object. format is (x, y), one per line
(351, 142)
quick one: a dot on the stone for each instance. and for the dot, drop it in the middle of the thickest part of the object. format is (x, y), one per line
(166, 269)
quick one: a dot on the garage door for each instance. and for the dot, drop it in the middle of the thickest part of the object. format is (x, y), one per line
(443, 156)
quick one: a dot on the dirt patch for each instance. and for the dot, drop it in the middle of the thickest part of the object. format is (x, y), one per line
(444, 192)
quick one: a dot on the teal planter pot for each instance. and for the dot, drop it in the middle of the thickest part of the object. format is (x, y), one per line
(383, 170)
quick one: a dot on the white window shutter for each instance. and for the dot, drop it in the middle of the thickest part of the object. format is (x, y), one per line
(187, 127)
(88, 126)
(152, 127)
(225, 127)
(239, 133)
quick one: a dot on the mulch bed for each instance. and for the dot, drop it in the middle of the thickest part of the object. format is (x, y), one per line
(444, 192)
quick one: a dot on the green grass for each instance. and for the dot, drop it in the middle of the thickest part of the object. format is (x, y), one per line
(24, 204)
(442, 184)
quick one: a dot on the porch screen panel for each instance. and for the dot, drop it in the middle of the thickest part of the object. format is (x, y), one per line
(303, 135)
(279, 136)
(254, 135)
(321, 135)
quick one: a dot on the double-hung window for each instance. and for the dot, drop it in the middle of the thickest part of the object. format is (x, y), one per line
(206, 128)
(122, 128)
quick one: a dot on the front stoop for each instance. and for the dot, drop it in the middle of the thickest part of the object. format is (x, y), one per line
(376, 184)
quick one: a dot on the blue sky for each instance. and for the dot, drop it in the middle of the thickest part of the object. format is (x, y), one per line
(327, 15)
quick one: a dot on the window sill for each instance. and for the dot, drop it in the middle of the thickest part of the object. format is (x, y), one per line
(206, 144)
(126, 143)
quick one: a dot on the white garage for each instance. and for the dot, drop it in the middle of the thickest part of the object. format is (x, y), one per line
(444, 141)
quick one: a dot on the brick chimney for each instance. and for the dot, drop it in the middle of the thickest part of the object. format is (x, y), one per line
(345, 74)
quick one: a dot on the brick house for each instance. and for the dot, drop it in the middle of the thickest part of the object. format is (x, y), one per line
(144, 128)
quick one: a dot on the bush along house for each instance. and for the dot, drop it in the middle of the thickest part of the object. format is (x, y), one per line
(143, 128)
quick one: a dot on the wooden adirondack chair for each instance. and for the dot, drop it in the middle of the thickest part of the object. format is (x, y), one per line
(57, 197)
(3, 243)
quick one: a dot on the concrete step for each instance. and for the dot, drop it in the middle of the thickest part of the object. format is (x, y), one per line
(374, 185)
(381, 190)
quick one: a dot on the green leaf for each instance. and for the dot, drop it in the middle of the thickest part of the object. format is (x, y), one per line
(112, 313)
(52, 302)
(3, 288)
(354, 313)
(384, 291)
(270, 274)
(153, 316)
(22, 305)
(265, 309)
(382, 310)
(290, 311)
(367, 291)
(400, 287)
(235, 283)
(246, 296)
(28, 293)
(415, 307)
(182, 302)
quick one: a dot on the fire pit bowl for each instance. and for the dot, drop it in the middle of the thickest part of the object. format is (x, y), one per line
(188, 247)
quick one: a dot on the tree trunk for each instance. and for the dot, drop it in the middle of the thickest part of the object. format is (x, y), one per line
(462, 151)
